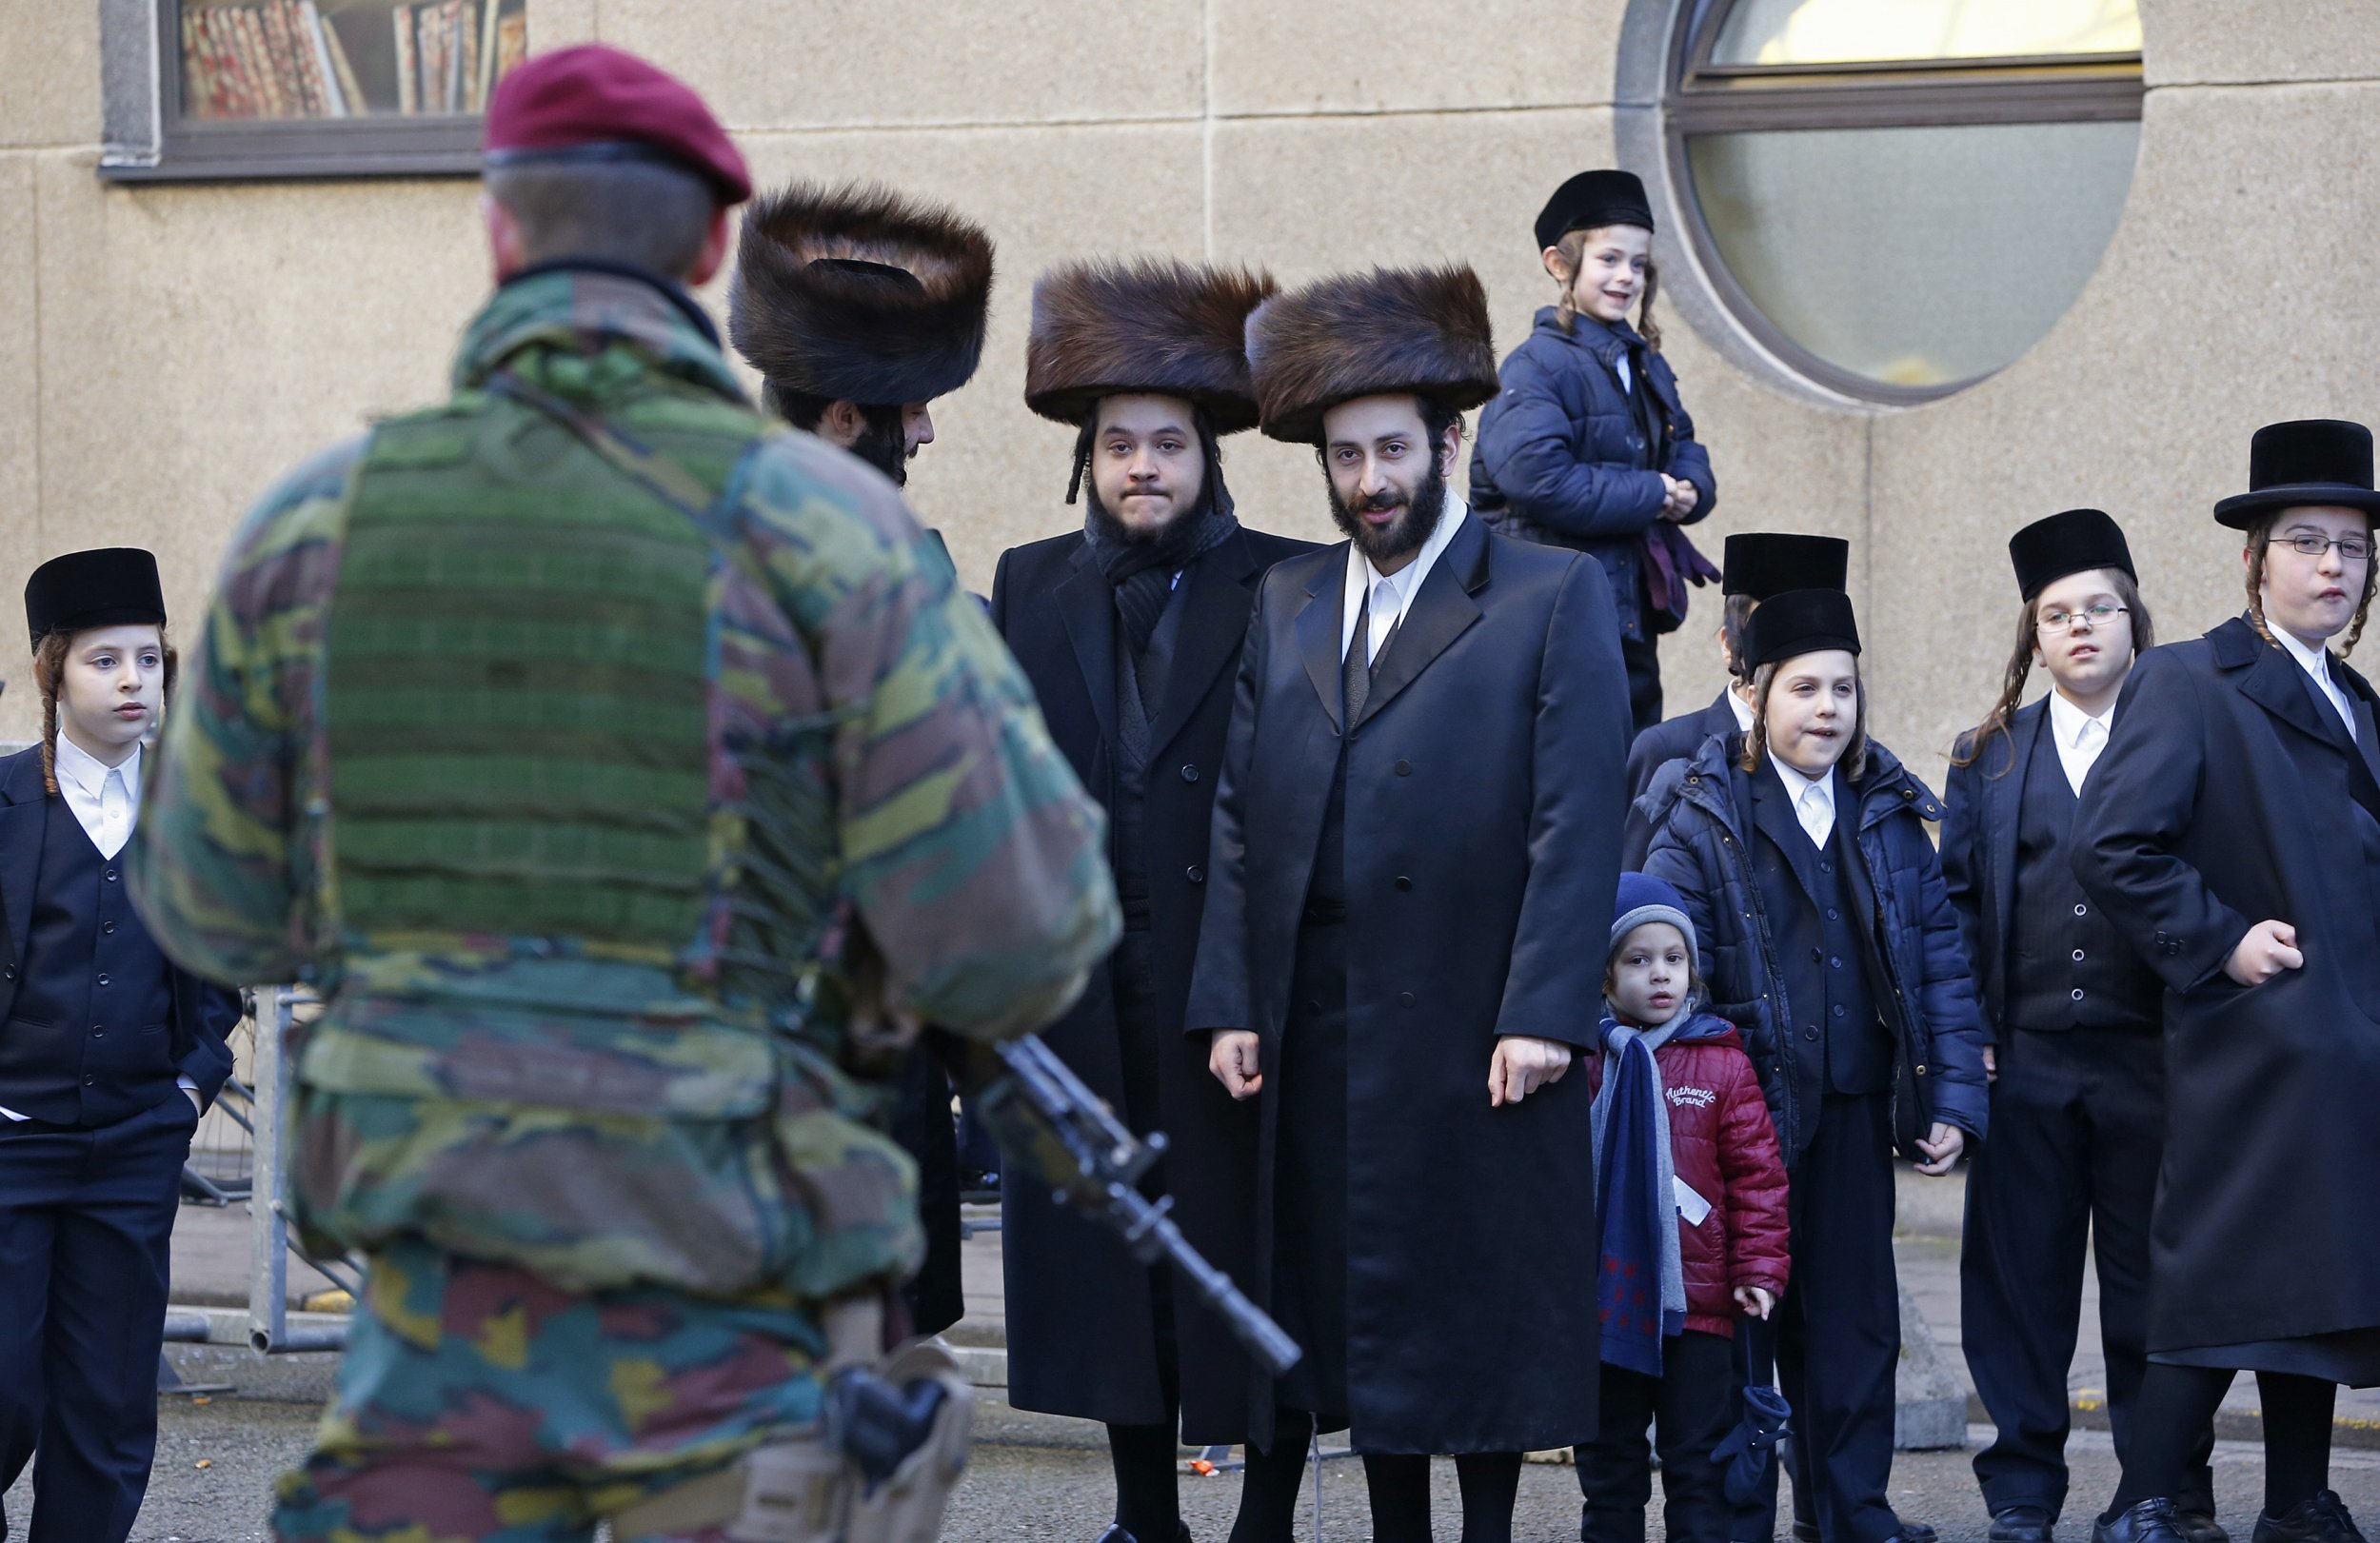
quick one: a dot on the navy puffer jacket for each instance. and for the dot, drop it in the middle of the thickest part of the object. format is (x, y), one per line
(1561, 461)
(1700, 813)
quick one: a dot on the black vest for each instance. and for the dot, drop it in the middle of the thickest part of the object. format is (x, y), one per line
(1823, 945)
(2068, 968)
(90, 1041)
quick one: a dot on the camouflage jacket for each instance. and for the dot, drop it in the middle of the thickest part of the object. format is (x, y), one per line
(607, 1115)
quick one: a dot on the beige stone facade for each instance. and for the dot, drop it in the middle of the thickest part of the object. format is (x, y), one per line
(166, 349)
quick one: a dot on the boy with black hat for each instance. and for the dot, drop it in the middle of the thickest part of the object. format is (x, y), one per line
(2078, 1103)
(108, 1055)
(1128, 628)
(1801, 849)
(1586, 444)
(2232, 833)
(1757, 565)
(1390, 916)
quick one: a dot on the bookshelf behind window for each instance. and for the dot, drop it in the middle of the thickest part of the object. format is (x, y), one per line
(328, 87)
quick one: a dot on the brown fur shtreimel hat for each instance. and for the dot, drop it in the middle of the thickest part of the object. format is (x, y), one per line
(1423, 331)
(858, 295)
(1155, 326)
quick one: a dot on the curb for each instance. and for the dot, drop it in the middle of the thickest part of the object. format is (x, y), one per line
(2089, 1413)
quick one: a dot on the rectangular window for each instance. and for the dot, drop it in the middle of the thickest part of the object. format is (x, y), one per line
(324, 88)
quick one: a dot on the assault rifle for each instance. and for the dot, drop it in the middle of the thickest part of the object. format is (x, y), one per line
(1067, 1137)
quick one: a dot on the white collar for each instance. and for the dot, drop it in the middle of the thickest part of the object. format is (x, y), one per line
(2067, 721)
(90, 774)
(1797, 784)
(1741, 708)
(1406, 581)
(2314, 661)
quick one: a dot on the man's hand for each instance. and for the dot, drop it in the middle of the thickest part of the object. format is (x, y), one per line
(2268, 948)
(1754, 1301)
(1232, 1057)
(1946, 1143)
(1522, 1065)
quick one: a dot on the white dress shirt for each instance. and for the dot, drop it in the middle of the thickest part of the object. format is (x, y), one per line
(106, 801)
(1814, 801)
(1391, 594)
(2316, 664)
(1742, 709)
(2079, 736)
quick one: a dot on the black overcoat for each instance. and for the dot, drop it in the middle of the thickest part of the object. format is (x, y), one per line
(1483, 802)
(1082, 1334)
(2228, 796)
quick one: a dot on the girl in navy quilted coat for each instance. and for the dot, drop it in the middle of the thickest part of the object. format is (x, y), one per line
(1691, 1193)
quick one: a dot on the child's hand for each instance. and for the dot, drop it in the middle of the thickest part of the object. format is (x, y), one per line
(1756, 1302)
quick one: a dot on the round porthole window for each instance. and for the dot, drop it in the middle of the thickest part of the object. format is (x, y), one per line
(1899, 197)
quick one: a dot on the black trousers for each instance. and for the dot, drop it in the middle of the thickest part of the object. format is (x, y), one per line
(1642, 660)
(1839, 1334)
(1691, 1407)
(2077, 1130)
(1309, 1297)
(86, 1221)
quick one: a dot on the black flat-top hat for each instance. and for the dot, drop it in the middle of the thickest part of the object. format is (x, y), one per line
(104, 587)
(2303, 463)
(1761, 563)
(1800, 621)
(858, 295)
(1157, 326)
(1592, 200)
(1423, 331)
(2073, 541)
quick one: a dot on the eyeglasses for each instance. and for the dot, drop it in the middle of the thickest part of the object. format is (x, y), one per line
(2354, 548)
(2098, 616)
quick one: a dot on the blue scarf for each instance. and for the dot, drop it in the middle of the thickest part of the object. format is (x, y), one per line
(1641, 1286)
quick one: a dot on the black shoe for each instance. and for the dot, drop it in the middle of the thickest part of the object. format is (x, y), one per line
(2150, 1521)
(1805, 1532)
(2022, 1524)
(2201, 1527)
(1915, 1531)
(2320, 1518)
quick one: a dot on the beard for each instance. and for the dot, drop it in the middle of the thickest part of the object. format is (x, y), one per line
(1406, 533)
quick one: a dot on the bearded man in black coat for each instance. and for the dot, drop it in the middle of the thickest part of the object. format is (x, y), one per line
(1418, 823)
(1128, 628)
(2232, 832)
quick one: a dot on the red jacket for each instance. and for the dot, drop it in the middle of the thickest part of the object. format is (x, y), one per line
(1722, 1144)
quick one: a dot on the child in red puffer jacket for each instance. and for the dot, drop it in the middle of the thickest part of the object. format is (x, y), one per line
(1691, 1200)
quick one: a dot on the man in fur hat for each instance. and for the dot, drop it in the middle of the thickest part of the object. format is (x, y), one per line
(1127, 628)
(859, 307)
(1419, 818)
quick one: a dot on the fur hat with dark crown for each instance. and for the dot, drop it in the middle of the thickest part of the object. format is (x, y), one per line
(1423, 331)
(858, 295)
(1155, 324)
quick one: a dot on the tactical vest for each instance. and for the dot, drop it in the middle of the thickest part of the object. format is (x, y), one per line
(574, 897)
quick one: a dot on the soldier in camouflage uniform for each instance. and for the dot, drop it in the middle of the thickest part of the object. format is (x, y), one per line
(581, 739)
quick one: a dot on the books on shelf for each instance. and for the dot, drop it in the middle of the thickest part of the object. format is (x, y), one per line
(311, 59)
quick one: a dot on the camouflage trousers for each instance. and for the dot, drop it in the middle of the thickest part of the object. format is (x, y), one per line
(477, 1403)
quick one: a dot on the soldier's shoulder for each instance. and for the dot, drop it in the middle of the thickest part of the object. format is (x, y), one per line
(305, 508)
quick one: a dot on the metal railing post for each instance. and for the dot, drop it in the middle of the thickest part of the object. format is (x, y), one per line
(269, 1252)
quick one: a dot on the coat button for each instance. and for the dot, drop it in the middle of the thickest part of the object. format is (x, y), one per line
(1404, 999)
(1810, 1033)
(9, 973)
(103, 979)
(89, 1080)
(111, 876)
(2081, 909)
(1817, 955)
(1313, 1004)
(1404, 768)
(1921, 1071)
(1189, 773)
(1404, 883)
(1194, 874)
(2079, 957)
(2078, 993)
(108, 927)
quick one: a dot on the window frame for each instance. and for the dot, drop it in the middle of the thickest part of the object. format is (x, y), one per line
(180, 149)
(1702, 98)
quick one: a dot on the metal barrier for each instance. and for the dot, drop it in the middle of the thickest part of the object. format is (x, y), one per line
(269, 1331)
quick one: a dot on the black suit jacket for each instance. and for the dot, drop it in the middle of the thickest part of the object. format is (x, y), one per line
(1483, 802)
(1081, 1325)
(2229, 795)
(1980, 851)
(203, 1012)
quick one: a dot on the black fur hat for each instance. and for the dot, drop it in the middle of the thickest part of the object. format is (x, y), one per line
(1800, 621)
(858, 295)
(2308, 462)
(1159, 325)
(1423, 331)
(2075, 541)
(104, 587)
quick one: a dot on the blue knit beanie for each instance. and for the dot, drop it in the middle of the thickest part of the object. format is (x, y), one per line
(1642, 899)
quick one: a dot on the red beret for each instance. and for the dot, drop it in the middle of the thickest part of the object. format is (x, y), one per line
(590, 96)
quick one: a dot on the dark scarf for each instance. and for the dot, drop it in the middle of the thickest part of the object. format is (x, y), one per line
(1141, 572)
